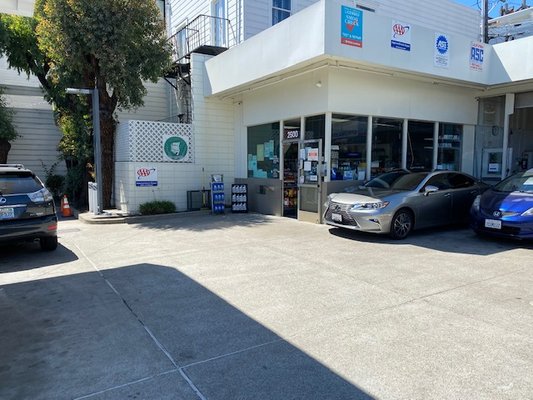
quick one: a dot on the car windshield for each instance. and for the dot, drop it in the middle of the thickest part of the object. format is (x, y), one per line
(517, 183)
(385, 181)
(18, 183)
(409, 181)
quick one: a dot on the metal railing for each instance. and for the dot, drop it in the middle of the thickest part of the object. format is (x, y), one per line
(205, 33)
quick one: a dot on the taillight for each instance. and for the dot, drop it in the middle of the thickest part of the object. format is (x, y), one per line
(40, 196)
(52, 227)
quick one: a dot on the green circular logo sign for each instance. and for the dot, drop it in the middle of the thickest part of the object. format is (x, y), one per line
(175, 148)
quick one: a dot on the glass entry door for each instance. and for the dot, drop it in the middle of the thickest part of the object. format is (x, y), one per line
(310, 171)
(290, 179)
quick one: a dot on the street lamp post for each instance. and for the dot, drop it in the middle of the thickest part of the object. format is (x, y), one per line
(96, 142)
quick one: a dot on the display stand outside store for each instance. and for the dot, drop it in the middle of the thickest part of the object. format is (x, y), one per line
(217, 194)
(239, 198)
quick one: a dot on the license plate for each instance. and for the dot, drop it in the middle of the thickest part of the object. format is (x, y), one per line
(336, 217)
(493, 223)
(7, 213)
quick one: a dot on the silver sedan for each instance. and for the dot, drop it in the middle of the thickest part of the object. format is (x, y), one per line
(398, 202)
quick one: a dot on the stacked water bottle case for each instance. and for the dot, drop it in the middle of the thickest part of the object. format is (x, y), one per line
(239, 197)
(217, 197)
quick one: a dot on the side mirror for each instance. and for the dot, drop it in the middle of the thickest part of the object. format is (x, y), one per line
(430, 189)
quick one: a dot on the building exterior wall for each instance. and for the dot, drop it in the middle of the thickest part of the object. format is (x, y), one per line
(214, 133)
(12, 77)
(213, 147)
(432, 14)
(183, 12)
(258, 14)
(261, 57)
(17, 7)
(159, 104)
(249, 17)
(38, 141)
(358, 93)
(362, 93)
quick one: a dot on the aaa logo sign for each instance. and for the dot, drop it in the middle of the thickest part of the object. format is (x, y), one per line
(174, 148)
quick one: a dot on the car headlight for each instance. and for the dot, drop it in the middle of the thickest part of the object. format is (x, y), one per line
(41, 196)
(328, 200)
(376, 205)
(475, 204)
(528, 213)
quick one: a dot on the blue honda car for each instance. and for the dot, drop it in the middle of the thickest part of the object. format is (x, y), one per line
(506, 209)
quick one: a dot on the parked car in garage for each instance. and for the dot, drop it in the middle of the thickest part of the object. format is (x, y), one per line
(399, 201)
(27, 210)
(506, 210)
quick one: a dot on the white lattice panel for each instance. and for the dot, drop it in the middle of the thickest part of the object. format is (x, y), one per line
(142, 141)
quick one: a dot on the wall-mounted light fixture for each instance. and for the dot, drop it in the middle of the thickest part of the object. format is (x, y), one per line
(318, 84)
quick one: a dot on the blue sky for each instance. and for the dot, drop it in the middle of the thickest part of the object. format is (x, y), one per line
(496, 10)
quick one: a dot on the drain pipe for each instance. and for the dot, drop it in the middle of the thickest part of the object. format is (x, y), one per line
(509, 110)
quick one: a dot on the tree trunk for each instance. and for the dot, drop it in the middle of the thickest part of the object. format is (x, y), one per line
(107, 140)
(5, 146)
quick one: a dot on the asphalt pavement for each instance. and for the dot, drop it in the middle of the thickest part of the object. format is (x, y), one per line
(246, 306)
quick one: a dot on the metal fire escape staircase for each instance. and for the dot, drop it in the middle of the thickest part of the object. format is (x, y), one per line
(205, 35)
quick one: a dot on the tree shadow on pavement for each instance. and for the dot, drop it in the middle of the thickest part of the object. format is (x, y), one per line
(202, 222)
(147, 331)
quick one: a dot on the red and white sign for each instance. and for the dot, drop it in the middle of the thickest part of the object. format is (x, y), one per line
(312, 154)
(145, 176)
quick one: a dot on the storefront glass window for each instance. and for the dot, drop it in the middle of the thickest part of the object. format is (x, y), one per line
(348, 147)
(386, 145)
(420, 145)
(449, 155)
(263, 151)
(315, 127)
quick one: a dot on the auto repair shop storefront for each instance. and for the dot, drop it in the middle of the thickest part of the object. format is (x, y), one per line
(337, 106)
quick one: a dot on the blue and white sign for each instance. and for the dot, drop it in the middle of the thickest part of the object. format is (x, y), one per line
(442, 51)
(351, 26)
(145, 176)
(400, 36)
(477, 55)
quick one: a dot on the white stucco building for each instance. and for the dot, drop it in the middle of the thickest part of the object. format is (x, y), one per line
(362, 86)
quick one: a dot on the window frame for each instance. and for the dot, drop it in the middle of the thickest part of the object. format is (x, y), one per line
(285, 11)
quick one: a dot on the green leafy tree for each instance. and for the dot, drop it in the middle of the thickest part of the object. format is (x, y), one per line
(7, 129)
(113, 45)
(19, 45)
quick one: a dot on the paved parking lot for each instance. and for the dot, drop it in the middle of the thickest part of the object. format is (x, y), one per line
(256, 307)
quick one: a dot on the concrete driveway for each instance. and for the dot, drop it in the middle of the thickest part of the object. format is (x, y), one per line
(256, 307)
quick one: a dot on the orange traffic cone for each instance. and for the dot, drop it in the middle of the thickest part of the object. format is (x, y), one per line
(65, 207)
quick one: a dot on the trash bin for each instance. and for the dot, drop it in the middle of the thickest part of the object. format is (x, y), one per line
(93, 197)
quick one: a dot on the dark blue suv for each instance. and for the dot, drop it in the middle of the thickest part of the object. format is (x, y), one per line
(27, 210)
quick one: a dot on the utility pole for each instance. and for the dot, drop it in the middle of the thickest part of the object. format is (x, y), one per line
(485, 23)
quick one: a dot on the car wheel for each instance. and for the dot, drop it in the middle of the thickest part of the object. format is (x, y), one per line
(48, 243)
(401, 224)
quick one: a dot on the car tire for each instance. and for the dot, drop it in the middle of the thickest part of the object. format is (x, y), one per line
(401, 225)
(48, 243)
